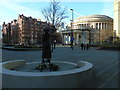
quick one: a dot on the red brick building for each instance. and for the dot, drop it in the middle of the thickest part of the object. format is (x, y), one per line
(23, 31)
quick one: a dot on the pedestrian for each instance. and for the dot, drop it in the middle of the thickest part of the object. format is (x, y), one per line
(72, 46)
(87, 46)
(46, 46)
(82, 45)
(72, 39)
(54, 43)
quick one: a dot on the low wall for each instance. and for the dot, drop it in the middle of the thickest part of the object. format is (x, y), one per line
(21, 49)
(74, 78)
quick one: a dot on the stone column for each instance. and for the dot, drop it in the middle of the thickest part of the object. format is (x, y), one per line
(69, 38)
(62, 38)
(77, 38)
(94, 25)
(110, 26)
(66, 39)
(106, 26)
(101, 26)
(79, 26)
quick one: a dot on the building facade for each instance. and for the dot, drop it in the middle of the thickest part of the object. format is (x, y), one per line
(23, 31)
(90, 29)
(117, 17)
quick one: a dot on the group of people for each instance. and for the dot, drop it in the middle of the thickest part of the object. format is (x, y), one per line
(84, 46)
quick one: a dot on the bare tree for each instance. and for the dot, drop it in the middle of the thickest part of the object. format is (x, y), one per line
(54, 13)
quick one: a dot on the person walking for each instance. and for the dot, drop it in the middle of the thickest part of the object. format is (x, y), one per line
(87, 46)
(82, 45)
(54, 44)
(72, 39)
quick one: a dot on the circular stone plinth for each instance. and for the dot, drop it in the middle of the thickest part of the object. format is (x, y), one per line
(71, 75)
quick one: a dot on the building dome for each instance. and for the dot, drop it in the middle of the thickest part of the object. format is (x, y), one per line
(94, 18)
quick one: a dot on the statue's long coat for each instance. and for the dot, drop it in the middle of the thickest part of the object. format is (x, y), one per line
(46, 49)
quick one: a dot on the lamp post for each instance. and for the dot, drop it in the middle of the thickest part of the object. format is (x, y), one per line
(72, 30)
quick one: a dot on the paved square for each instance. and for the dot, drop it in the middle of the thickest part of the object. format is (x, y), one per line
(105, 62)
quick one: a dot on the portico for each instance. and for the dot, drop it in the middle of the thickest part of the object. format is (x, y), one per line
(100, 27)
(79, 35)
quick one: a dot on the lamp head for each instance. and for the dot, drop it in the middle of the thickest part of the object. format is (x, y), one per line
(71, 9)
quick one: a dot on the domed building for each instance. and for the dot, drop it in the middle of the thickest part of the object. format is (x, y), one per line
(90, 29)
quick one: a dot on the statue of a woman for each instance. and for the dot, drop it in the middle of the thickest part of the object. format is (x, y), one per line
(46, 46)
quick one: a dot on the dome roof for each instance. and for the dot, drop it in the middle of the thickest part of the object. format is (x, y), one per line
(94, 18)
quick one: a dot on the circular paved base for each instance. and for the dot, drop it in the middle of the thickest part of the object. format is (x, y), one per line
(69, 78)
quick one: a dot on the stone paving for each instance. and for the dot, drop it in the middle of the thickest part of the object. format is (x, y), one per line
(105, 62)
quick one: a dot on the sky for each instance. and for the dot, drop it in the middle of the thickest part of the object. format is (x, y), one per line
(10, 9)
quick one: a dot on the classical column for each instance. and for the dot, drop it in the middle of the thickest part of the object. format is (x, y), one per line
(66, 42)
(76, 38)
(65, 39)
(69, 38)
(94, 25)
(101, 26)
(106, 26)
(62, 38)
(77, 41)
(79, 25)
(110, 26)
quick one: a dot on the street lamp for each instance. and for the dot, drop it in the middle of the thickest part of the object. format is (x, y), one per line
(72, 30)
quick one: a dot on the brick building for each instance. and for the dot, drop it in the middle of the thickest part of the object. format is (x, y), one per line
(23, 31)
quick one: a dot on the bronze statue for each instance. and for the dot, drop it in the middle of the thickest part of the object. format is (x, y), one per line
(46, 53)
(46, 46)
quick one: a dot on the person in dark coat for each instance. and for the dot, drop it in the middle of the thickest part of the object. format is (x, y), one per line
(87, 46)
(46, 46)
(82, 45)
